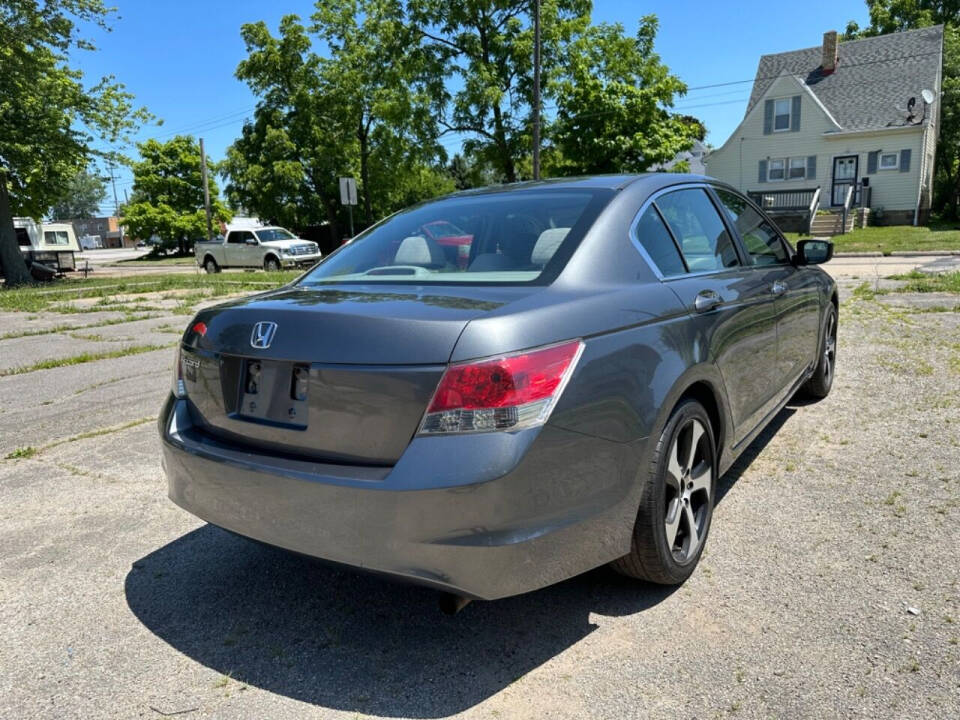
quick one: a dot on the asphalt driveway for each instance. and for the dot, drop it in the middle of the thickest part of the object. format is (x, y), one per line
(830, 586)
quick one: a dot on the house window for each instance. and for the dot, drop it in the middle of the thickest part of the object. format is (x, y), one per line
(781, 115)
(889, 161)
(776, 169)
(798, 168)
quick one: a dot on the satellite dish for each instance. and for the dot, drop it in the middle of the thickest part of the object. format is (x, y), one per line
(927, 96)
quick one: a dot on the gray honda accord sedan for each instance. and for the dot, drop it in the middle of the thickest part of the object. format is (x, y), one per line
(499, 389)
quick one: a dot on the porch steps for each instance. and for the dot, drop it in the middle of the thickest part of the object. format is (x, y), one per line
(831, 223)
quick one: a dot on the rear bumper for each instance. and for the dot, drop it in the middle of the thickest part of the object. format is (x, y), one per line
(486, 515)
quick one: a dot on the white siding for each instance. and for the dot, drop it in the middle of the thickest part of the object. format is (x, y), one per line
(737, 162)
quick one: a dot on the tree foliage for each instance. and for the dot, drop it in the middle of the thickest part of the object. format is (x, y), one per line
(49, 117)
(84, 193)
(168, 193)
(363, 110)
(887, 16)
(484, 49)
(613, 96)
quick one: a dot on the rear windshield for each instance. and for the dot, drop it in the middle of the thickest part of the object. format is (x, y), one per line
(513, 237)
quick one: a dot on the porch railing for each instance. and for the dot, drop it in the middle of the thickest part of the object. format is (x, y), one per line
(784, 200)
(847, 204)
(812, 209)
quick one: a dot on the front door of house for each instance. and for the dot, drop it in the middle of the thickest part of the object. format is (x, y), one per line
(844, 176)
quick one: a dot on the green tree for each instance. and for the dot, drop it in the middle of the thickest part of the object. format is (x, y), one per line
(613, 96)
(364, 110)
(168, 193)
(485, 47)
(382, 86)
(286, 162)
(85, 191)
(887, 16)
(49, 117)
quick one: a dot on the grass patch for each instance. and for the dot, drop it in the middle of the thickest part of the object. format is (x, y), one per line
(896, 238)
(36, 298)
(21, 453)
(83, 358)
(921, 282)
(31, 451)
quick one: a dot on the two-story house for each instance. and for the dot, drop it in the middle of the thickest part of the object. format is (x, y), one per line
(856, 120)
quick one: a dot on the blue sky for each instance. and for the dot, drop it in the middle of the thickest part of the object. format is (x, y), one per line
(179, 57)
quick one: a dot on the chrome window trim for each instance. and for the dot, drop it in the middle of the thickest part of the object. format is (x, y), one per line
(646, 256)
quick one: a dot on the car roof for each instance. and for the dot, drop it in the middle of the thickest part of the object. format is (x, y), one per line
(653, 181)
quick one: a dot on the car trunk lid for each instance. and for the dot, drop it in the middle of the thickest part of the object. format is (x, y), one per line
(337, 374)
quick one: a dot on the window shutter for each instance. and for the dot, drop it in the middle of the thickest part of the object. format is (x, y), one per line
(811, 167)
(905, 161)
(768, 117)
(795, 115)
(872, 162)
(762, 177)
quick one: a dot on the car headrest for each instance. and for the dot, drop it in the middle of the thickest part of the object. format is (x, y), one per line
(547, 245)
(417, 250)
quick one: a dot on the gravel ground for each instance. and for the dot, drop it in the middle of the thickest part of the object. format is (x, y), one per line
(829, 587)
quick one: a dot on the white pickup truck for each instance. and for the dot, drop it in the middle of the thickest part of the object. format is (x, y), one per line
(270, 248)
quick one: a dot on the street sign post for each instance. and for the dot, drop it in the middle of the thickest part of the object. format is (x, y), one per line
(348, 196)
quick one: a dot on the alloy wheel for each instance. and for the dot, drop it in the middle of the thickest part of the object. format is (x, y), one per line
(689, 482)
(830, 348)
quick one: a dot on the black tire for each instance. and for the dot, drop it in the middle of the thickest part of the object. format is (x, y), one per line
(652, 556)
(271, 264)
(819, 384)
(210, 265)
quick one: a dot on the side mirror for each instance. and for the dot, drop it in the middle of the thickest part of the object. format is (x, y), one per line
(814, 252)
(251, 241)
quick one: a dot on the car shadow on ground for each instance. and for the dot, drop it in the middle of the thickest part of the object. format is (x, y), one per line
(340, 639)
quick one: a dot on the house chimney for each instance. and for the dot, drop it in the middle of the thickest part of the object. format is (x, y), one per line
(829, 62)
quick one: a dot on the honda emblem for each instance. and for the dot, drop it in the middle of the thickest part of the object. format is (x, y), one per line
(262, 335)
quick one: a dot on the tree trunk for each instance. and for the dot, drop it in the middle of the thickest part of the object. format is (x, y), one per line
(506, 160)
(14, 267)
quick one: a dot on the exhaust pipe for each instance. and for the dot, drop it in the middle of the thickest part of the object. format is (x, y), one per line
(451, 604)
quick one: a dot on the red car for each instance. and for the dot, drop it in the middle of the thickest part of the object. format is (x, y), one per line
(454, 241)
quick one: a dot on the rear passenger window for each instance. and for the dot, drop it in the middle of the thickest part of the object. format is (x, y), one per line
(760, 238)
(703, 237)
(654, 237)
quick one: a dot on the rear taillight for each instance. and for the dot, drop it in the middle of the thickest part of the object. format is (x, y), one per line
(504, 393)
(179, 387)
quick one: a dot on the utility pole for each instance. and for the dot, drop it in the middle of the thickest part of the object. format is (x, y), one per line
(206, 191)
(536, 89)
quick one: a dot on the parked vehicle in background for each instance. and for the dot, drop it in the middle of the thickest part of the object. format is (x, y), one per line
(270, 248)
(454, 241)
(51, 244)
(569, 398)
(91, 242)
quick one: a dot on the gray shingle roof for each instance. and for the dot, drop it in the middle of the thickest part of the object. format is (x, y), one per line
(874, 76)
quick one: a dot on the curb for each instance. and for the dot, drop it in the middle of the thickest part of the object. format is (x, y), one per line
(923, 253)
(899, 253)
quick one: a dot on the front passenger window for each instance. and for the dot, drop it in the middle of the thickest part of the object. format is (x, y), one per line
(695, 223)
(760, 238)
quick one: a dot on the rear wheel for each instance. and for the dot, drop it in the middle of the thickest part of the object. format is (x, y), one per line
(271, 264)
(210, 265)
(819, 384)
(674, 517)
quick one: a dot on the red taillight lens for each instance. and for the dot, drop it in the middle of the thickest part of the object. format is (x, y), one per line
(505, 393)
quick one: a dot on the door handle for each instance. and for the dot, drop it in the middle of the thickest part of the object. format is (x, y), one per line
(779, 287)
(706, 300)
